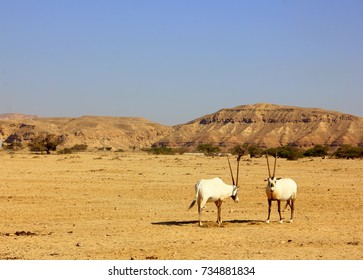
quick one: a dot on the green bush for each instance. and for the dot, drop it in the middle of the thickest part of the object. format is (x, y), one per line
(161, 150)
(288, 152)
(317, 151)
(208, 149)
(255, 151)
(75, 148)
(239, 150)
(79, 147)
(45, 142)
(349, 152)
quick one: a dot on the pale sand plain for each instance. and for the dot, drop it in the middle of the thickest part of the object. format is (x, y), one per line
(105, 205)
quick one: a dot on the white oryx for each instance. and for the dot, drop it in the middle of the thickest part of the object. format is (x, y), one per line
(215, 190)
(280, 189)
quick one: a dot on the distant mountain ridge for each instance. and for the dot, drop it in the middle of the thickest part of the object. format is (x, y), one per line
(269, 125)
(16, 116)
(266, 125)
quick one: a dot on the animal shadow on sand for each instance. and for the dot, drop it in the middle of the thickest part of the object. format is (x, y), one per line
(209, 224)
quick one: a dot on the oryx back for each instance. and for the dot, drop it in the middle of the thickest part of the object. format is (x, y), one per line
(288, 188)
(213, 189)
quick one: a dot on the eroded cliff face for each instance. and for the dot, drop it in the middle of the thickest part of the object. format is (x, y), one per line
(269, 125)
(274, 114)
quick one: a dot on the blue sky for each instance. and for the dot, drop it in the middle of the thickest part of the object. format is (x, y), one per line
(173, 61)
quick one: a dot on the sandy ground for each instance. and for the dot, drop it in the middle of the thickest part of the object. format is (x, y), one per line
(134, 206)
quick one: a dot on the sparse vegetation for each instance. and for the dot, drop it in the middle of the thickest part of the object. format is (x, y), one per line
(239, 150)
(79, 147)
(288, 152)
(291, 152)
(208, 149)
(318, 151)
(255, 151)
(160, 150)
(45, 142)
(349, 152)
(75, 148)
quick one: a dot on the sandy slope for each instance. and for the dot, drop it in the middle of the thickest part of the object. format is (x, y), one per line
(134, 206)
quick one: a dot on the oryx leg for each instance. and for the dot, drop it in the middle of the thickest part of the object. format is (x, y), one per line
(292, 206)
(200, 208)
(200, 215)
(219, 209)
(288, 203)
(269, 210)
(279, 210)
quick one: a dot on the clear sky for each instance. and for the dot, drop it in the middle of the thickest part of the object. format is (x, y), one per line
(172, 61)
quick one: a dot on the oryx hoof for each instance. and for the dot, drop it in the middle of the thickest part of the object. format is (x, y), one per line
(268, 221)
(281, 221)
(291, 221)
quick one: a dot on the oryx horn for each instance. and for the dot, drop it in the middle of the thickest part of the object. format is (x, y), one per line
(268, 166)
(230, 169)
(238, 160)
(275, 165)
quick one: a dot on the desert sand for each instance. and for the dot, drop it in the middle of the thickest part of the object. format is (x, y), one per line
(107, 205)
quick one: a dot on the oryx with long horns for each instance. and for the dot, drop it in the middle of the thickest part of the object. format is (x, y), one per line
(215, 190)
(280, 189)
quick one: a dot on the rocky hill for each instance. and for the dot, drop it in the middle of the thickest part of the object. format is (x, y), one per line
(96, 132)
(268, 125)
